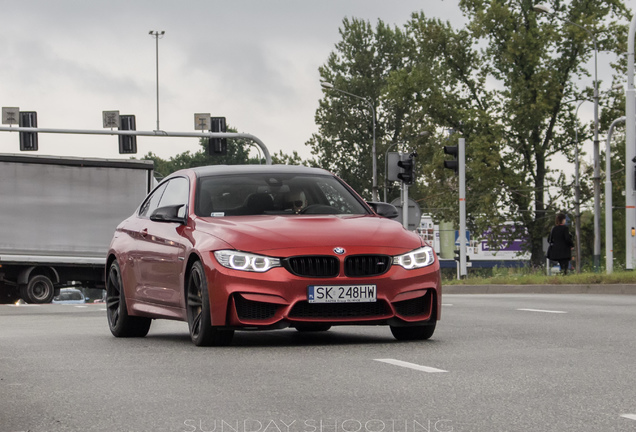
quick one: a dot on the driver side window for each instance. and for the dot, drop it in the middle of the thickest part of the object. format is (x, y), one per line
(152, 202)
(176, 193)
(172, 192)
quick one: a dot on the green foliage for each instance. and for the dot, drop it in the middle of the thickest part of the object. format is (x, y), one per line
(503, 83)
(237, 153)
(281, 158)
(360, 66)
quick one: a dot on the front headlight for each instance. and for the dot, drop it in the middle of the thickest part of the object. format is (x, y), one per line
(237, 260)
(422, 257)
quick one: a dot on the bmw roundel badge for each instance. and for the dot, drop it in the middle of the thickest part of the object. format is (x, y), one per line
(339, 250)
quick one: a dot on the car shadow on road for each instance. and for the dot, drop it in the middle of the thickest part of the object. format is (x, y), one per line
(291, 337)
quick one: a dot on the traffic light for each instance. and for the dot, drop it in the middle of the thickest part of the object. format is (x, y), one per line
(407, 164)
(127, 143)
(28, 140)
(452, 164)
(457, 256)
(217, 146)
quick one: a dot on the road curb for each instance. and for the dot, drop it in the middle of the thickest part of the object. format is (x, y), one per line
(624, 289)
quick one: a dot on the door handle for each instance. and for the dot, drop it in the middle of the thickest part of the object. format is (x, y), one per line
(143, 233)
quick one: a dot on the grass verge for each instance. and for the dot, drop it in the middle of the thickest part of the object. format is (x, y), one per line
(526, 277)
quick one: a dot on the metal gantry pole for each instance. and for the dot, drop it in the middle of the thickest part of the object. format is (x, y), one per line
(461, 156)
(630, 151)
(597, 164)
(266, 154)
(609, 230)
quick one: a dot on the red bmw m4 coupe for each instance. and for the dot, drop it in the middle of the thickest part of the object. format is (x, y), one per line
(251, 247)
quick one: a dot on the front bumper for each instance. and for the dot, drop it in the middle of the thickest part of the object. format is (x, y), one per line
(278, 299)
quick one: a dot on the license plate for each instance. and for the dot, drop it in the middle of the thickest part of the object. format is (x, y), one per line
(341, 293)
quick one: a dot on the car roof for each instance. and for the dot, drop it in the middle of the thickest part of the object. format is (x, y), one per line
(257, 169)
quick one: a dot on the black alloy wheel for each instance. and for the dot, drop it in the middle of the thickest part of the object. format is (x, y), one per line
(202, 332)
(120, 323)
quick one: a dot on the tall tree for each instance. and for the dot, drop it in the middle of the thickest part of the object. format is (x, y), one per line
(502, 82)
(360, 65)
(238, 151)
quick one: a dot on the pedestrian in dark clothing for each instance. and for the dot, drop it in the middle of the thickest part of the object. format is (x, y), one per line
(561, 243)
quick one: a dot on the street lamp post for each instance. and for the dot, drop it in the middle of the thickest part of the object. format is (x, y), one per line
(597, 169)
(374, 189)
(157, 35)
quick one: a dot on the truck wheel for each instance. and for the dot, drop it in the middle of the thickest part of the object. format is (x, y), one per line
(120, 323)
(38, 290)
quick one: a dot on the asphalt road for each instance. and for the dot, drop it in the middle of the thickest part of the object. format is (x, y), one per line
(498, 362)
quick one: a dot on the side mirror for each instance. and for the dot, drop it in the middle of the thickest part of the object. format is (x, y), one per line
(384, 209)
(169, 214)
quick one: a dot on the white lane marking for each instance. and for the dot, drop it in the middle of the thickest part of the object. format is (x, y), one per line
(629, 416)
(542, 310)
(447, 304)
(411, 365)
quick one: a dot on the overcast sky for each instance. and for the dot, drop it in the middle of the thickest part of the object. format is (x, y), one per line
(254, 62)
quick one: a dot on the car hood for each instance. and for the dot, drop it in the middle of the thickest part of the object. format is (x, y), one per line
(310, 233)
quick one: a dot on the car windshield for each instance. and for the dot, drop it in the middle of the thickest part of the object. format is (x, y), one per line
(258, 194)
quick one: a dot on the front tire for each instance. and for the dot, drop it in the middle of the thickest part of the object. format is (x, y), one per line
(120, 323)
(412, 333)
(202, 332)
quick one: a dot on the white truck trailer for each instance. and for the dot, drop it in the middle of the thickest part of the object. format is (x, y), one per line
(57, 217)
